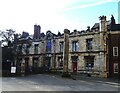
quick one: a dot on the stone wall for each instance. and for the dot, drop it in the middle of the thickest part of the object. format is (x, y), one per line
(98, 49)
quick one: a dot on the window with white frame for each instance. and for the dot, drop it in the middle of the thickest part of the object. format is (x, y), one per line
(89, 62)
(75, 46)
(61, 46)
(36, 48)
(115, 51)
(116, 68)
(89, 43)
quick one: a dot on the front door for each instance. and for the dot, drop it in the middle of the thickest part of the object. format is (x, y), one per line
(74, 63)
(26, 65)
(35, 65)
(48, 64)
(74, 67)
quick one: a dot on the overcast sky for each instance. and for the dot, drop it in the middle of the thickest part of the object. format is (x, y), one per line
(54, 15)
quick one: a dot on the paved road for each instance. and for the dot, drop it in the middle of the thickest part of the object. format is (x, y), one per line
(44, 82)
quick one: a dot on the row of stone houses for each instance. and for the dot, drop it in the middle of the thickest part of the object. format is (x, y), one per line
(89, 51)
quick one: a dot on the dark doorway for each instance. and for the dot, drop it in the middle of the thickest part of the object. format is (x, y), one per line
(26, 66)
(74, 63)
(35, 65)
(60, 63)
(19, 62)
(48, 62)
(6, 68)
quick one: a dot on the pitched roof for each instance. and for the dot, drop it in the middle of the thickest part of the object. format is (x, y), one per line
(96, 25)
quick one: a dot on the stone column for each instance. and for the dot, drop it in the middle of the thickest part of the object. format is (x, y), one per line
(54, 56)
(66, 52)
(103, 36)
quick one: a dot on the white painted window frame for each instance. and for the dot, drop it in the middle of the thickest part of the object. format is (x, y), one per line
(116, 64)
(114, 54)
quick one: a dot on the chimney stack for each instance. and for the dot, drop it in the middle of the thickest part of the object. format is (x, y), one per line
(37, 31)
(103, 23)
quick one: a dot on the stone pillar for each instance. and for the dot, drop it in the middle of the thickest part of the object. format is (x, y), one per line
(66, 52)
(103, 42)
(54, 56)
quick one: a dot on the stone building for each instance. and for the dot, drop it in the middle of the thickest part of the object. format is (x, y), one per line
(88, 51)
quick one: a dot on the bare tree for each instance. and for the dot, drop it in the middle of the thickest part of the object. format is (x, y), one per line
(7, 36)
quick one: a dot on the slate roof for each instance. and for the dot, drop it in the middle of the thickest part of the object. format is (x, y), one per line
(95, 26)
(115, 27)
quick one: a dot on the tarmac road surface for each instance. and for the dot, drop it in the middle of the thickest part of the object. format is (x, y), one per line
(45, 82)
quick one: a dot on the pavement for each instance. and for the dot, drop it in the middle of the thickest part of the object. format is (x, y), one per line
(92, 78)
(50, 82)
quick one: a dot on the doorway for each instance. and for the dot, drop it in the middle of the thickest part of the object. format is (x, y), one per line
(74, 63)
(48, 63)
(35, 67)
(26, 66)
